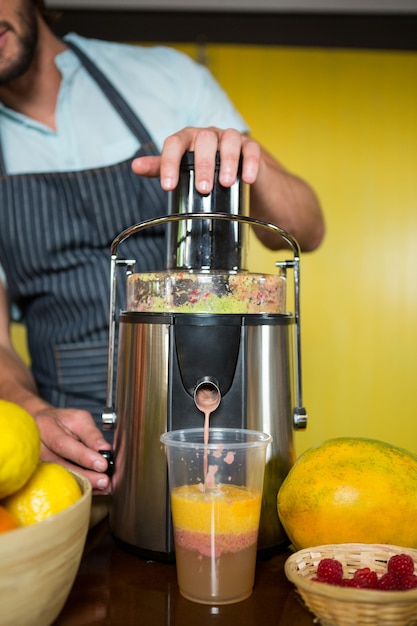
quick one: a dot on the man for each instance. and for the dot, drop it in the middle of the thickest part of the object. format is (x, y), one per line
(73, 114)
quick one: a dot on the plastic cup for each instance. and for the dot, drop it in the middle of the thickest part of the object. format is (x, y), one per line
(216, 495)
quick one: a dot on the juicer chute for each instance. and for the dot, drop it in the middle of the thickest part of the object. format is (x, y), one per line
(205, 244)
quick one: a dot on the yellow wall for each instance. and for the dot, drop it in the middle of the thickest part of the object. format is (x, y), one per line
(19, 339)
(347, 122)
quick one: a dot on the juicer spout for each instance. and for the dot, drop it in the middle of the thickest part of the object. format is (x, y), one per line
(207, 394)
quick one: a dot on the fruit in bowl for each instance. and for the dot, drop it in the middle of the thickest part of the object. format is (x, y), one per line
(20, 446)
(39, 562)
(351, 490)
(44, 519)
(7, 520)
(50, 489)
(346, 584)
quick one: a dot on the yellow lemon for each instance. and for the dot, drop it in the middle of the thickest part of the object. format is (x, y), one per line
(19, 447)
(50, 489)
(351, 490)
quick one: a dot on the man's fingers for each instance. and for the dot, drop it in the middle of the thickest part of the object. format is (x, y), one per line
(99, 480)
(147, 166)
(70, 437)
(204, 142)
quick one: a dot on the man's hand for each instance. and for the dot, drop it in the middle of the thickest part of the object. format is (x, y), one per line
(70, 437)
(204, 142)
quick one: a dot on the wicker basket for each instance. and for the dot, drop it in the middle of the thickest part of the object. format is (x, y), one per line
(345, 606)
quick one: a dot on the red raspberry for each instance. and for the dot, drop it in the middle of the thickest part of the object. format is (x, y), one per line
(400, 565)
(330, 571)
(389, 582)
(365, 578)
(409, 582)
(356, 583)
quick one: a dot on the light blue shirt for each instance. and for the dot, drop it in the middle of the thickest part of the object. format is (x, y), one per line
(165, 87)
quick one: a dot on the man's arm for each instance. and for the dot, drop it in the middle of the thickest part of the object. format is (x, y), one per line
(277, 196)
(283, 199)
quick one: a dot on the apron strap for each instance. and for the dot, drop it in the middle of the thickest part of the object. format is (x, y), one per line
(2, 162)
(119, 103)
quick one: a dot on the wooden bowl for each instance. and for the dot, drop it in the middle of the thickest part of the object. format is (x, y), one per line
(38, 564)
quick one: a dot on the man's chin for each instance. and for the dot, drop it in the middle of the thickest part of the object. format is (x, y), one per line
(12, 70)
(18, 45)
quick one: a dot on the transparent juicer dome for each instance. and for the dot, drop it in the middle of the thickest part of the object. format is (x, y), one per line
(190, 291)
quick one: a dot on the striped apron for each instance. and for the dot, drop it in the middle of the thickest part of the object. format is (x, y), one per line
(55, 235)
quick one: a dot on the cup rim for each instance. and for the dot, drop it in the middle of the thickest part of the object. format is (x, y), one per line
(173, 438)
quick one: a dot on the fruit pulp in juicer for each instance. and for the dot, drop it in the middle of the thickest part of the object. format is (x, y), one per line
(206, 292)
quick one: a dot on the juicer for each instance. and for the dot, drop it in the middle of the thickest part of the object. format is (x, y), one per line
(204, 327)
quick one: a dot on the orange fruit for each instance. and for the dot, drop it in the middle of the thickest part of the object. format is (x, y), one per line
(19, 447)
(7, 521)
(351, 490)
(50, 489)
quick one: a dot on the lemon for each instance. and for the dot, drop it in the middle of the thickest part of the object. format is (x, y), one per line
(351, 490)
(50, 489)
(19, 447)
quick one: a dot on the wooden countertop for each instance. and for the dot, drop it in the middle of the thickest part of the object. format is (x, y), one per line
(116, 588)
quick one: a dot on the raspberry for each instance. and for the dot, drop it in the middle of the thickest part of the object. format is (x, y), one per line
(330, 571)
(389, 582)
(398, 577)
(365, 578)
(409, 582)
(400, 565)
(357, 583)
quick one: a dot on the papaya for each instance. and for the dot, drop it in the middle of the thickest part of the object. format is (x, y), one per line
(350, 490)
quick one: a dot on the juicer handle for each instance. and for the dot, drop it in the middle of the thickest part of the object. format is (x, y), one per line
(176, 217)
(109, 415)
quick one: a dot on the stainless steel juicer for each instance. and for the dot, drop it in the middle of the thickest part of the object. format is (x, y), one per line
(204, 322)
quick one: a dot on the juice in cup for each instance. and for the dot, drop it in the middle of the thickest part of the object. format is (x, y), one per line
(216, 534)
(216, 494)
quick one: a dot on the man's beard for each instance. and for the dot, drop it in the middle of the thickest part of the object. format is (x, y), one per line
(27, 40)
